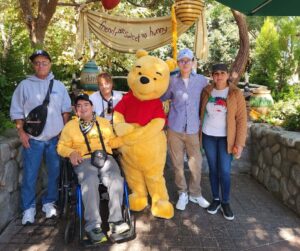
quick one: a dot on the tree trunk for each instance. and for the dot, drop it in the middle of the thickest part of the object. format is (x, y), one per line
(37, 25)
(6, 40)
(241, 59)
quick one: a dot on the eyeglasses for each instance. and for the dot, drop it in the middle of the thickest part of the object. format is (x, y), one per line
(183, 62)
(109, 106)
(37, 63)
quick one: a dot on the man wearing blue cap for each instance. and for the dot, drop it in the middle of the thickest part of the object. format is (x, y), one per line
(183, 128)
(29, 94)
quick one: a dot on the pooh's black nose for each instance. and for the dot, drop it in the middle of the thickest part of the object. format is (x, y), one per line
(144, 80)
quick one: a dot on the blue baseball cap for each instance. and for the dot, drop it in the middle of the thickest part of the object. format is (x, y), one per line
(185, 53)
(40, 53)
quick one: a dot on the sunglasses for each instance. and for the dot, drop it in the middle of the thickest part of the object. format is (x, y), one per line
(109, 106)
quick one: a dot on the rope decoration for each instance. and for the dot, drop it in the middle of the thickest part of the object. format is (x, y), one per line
(174, 33)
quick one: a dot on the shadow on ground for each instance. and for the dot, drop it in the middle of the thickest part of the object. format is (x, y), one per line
(261, 223)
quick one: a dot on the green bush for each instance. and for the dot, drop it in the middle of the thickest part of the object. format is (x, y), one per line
(260, 102)
(5, 123)
(292, 121)
(285, 113)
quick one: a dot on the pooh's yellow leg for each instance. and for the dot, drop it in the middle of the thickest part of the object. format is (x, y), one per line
(137, 202)
(161, 207)
(138, 199)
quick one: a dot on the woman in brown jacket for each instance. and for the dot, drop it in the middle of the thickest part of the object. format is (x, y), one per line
(224, 129)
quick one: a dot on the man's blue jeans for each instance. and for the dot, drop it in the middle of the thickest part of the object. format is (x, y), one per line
(219, 162)
(32, 158)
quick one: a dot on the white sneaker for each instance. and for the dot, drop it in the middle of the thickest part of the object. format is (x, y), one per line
(200, 201)
(49, 209)
(182, 201)
(118, 227)
(28, 216)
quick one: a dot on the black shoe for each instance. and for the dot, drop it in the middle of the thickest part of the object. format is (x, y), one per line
(214, 207)
(226, 210)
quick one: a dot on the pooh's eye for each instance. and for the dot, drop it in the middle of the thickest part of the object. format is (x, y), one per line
(154, 78)
(140, 73)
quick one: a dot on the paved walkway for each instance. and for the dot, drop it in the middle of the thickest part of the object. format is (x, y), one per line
(262, 223)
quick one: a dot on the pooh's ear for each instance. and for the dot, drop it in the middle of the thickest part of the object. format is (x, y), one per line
(141, 53)
(172, 64)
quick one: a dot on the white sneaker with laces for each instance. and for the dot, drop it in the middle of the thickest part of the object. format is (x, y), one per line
(200, 201)
(182, 201)
(28, 216)
(49, 209)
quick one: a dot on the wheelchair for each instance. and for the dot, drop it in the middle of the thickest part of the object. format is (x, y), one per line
(71, 209)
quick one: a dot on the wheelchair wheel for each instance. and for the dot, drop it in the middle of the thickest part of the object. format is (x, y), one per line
(61, 195)
(70, 231)
(71, 223)
(65, 188)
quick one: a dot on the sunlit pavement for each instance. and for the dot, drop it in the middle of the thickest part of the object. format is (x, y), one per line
(261, 223)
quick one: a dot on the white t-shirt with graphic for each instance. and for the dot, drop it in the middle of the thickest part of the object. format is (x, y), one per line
(186, 82)
(214, 122)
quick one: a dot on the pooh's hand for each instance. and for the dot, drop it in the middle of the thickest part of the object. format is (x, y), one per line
(115, 142)
(123, 129)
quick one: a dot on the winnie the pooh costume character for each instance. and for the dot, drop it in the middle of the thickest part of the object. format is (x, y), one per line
(139, 120)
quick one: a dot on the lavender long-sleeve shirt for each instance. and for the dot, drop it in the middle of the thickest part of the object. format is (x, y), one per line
(185, 102)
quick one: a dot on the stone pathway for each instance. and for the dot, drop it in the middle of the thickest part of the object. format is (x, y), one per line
(262, 223)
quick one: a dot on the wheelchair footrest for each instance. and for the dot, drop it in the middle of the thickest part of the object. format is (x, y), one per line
(126, 236)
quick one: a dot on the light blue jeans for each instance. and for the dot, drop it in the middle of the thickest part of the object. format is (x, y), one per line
(32, 158)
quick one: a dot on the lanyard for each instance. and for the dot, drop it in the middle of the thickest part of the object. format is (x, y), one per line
(109, 102)
(100, 137)
(112, 108)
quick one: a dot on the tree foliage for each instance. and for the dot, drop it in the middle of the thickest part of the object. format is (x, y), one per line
(277, 54)
(59, 40)
(37, 15)
(266, 55)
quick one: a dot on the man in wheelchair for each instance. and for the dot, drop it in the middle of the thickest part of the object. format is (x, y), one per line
(79, 138)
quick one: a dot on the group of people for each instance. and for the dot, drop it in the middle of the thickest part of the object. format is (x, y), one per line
(211, 116)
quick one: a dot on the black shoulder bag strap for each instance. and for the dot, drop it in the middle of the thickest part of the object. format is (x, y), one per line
(47, 98)
(100, 137)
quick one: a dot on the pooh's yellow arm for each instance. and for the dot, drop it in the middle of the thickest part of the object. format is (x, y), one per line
(120, 126)
(131, 134)
(144, 133)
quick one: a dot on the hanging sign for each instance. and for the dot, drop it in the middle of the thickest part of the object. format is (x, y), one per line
(126, 34)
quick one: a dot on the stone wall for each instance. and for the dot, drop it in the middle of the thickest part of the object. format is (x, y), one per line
(275, 162)
(11, 176)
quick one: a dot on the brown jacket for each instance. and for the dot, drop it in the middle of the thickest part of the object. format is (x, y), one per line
(236, 115)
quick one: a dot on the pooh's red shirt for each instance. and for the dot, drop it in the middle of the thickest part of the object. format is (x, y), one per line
(138, 111)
